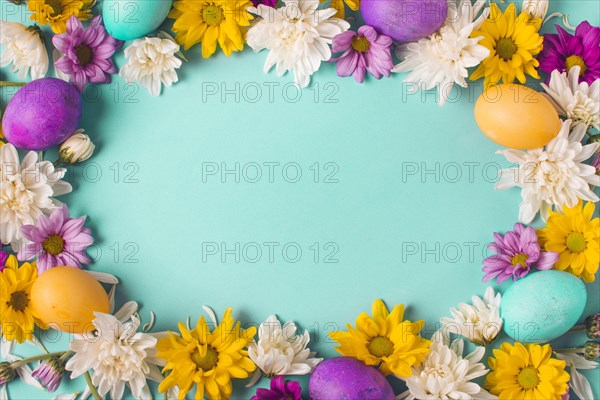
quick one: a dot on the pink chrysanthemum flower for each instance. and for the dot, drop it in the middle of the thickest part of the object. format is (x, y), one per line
(87, 52)
(56, 240)
(363, 51)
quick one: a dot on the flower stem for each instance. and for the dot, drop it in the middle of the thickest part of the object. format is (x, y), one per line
(28, 360)
(577, 328)
(88, 380)
(65, 355)
(5, 83)
(575, 350)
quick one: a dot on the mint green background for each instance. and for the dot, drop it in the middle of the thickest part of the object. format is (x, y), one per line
(370, 214)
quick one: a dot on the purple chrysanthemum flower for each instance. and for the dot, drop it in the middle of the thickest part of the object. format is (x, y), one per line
(87, 52)
(280, 390)
(516, 252)
(3, 258)
(49, 373)
(56, 240)
(563, 51)
(268, 3)
(363, 51)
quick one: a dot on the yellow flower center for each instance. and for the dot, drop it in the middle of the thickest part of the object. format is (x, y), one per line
(208, 362)
(54, 244)
(18, 301)
(519, 259)
(380, 346)
(361, 44)
(528, 378)
(572, 61)
(506, 48)
(212, 14)
(56, 7)
(576, 242)
(84, 54)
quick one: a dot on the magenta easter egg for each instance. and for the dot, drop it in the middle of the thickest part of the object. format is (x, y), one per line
(42, 114)
(348, 378)
(404, 20)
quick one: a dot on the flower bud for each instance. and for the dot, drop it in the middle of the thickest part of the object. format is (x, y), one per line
(591, 350)
(76, 148)
(49, 373)
(7, 373)
(592, 326)
(535, 8)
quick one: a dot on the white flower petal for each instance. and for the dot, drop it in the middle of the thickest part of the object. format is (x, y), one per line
(103, 277)
(24, 373)
(66, 396)
(126, 311)
(580, 385)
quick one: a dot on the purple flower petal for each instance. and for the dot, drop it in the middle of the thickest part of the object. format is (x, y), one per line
(547, 260)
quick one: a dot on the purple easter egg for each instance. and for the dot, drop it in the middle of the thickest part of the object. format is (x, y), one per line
(404, 20)
(42, 114)
(345, 378)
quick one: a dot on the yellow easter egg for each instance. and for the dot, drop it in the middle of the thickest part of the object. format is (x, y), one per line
(516, 116)
(65, 298)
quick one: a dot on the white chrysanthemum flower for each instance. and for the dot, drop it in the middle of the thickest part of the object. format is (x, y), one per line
(297, 36)
(118, 354)
(27, 189)
(442, 59)
(480, 322)
(151, 61)
(24, 48)
(552, 176)
(446, 374)
(535, 8)
(279, 351)
(579, 102)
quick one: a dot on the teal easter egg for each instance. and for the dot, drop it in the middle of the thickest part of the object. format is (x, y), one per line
(132, 19)
(542, 306)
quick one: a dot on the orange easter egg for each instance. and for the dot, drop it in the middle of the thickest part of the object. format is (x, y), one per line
(516, 116)
(66, 298)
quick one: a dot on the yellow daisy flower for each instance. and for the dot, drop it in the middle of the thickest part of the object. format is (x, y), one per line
(56, 13)
(526, 372)
(385, 340)
(17, 317)
(575, 235)
(339, 6)
(513, 41)
(209, 22)
(206, 359)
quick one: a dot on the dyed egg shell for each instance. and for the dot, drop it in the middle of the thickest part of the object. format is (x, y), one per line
(66, 298)
(132, 19)
(516, 116)
(348, 378)
(42, 114)
(404, 20)
(542, 306)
